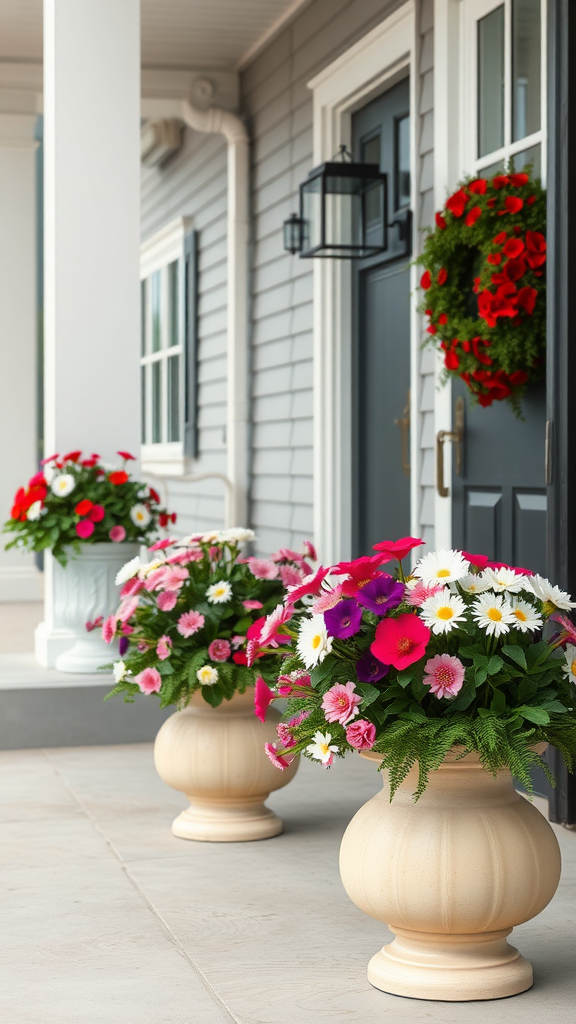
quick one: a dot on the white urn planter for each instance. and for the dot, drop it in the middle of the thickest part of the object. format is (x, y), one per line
(77, 593)
(216, 757)
(450, 875)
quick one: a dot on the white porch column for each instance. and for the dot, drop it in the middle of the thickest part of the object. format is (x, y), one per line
(19, 578)
(92, 237)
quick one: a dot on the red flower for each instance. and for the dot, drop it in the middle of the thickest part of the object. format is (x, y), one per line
(517, 180)
(500, 180)
(515, 269)
(466, 346)
(239, 658)
(71, 457)
(518, 378)
(432, 329)
(440, 221)
(400, 642)
(429, 312)
(311, 585)
(504, 302)
(163, 519)
(500, 238)
(491, 203)
(482, 357)
(480, 561)
(397, 548)
(457, 202)
(126, 455)
(476, 287)
(494, 258)
(513, 248)
(37, 479)
(97, 513)
(451, 360)
(154, 495)
(512, 204)
(485, 400)
(527, 299)
(443, 319)
(530, 200)
(426, 280)
(118, 477)
(478, 187)
(536, 246)
(473, 215)
(485, 307)
(442, 275)
(83, 507)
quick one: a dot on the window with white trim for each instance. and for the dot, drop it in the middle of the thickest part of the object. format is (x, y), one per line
(503, 85)
(164, 359)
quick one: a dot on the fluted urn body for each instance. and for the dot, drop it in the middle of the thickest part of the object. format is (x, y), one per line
(216, 757)
(450, 875)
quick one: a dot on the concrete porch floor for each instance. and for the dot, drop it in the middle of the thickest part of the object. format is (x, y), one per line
(109, 919)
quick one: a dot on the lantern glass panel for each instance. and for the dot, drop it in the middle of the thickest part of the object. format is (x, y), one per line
(312, 213)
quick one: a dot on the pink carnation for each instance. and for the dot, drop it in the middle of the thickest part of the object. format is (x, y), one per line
(133, 586)
(444, 674)
(309, 550)
(278, 760)
(285, 730)
(219, 650)
(263, 568)
(109, 629)
(361, 734)
(149, 680)
(166, 600)
(184, 557)
(127, 609)
(117, 534)
(286, 555)
(155, 579)
(290, 575)
(340, 703)
(251, 606)
(417, 594)
(164, 647)
(161, 545)
(189, 623)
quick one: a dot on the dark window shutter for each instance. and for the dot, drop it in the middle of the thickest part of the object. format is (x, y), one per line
(191, 344)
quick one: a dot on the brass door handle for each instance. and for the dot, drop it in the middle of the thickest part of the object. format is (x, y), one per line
(404, 423)
(457, 437)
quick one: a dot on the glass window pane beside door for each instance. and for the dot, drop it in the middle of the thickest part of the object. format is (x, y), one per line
(526, 60)
(491, 82)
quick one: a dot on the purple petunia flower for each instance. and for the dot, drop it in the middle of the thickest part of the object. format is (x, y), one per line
(123, 645)
(343, 620)
(381, 594)
(369, 669)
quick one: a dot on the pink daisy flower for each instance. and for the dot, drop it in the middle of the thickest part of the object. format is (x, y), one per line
(166, 600)
(109, 629)
(444, 674)
(340, 703)
(127, 609)
(164, 647)
(149, 680)
(189, 623)
(117, 534)
(174, 578)
(290, 575)
(417, 594)
(263, 568)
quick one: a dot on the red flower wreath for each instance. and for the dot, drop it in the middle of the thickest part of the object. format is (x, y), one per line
(485, 285)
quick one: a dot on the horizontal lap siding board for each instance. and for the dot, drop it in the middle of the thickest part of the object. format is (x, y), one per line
(278, 106)
(194, 184)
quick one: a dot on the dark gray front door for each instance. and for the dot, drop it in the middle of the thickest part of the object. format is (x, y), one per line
(381, 364)
(499, 500)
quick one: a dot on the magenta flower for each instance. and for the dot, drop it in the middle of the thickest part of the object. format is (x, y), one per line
(97, 513)
(310, 585)
(189, 623)
(309, 550)
(263, 568)
(117, 534)
(340, 703)
(269, 635)
(361, 734)
(149, 680)
(278, 760)
(160, 545)
(219, 650)
(109, 629)
(369, 669)
(263, 697)
(166, 600)
(91, 626)
(344, 620)
(400, 642)
(381, 594)
(164, 647)
(84, 529)
(444, 674)
(133, 586)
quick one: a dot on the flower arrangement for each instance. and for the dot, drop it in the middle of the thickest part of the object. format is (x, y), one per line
(409, 667)
(190, 618)
(74, 499)
(484, 284)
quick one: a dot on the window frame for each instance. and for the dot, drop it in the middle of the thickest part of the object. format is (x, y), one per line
(157, 253)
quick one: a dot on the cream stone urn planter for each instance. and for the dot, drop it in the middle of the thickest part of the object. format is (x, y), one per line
(75, 594)
(450, 875)
(216, 757)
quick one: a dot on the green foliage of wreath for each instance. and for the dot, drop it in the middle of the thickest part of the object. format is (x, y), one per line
(484, 285)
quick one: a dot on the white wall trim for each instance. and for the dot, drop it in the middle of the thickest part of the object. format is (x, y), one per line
(20, 583)
(164, 246)
(343, 87)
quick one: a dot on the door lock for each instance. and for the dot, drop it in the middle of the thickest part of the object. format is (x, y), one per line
(456, 436)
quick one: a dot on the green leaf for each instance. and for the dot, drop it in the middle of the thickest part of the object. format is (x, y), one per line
(481, 676)
(165, 668)
(368, 692)
(498, 703)
(526, 689)
(515, 653)
(466, 695)
(495, 665)
(405, 677)
(213, 695)
(321, 672)
(536, 715)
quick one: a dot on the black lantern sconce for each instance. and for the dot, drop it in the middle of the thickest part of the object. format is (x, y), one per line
(343, 212)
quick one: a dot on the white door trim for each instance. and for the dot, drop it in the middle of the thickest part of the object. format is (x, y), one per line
(341, 88)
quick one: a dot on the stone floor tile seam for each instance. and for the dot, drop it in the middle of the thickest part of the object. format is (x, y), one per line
(170, 935)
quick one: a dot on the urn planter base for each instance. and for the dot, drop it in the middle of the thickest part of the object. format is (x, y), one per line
(227, 823)
(453, 968)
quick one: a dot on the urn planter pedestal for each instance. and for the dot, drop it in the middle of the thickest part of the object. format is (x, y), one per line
(76, 594)
(216, 757)
(450, 875)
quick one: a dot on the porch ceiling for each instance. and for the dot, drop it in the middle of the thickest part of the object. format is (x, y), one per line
(175, 33)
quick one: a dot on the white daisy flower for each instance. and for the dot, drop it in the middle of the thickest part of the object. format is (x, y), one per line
(147, 567)
(63, 485)
(140, 515)
(320, 749)
(474, 583)
(442, 566)
(528, 619)
(504, 580)
(119, 671)
(219, 593)
(127, 571)
(238, 535)
(207, 675)
(34, 512)
(570, 666)
(49, 471)
(210, 537)
(313, 641)
(494, 614)
(550, 594)
(443, 612)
